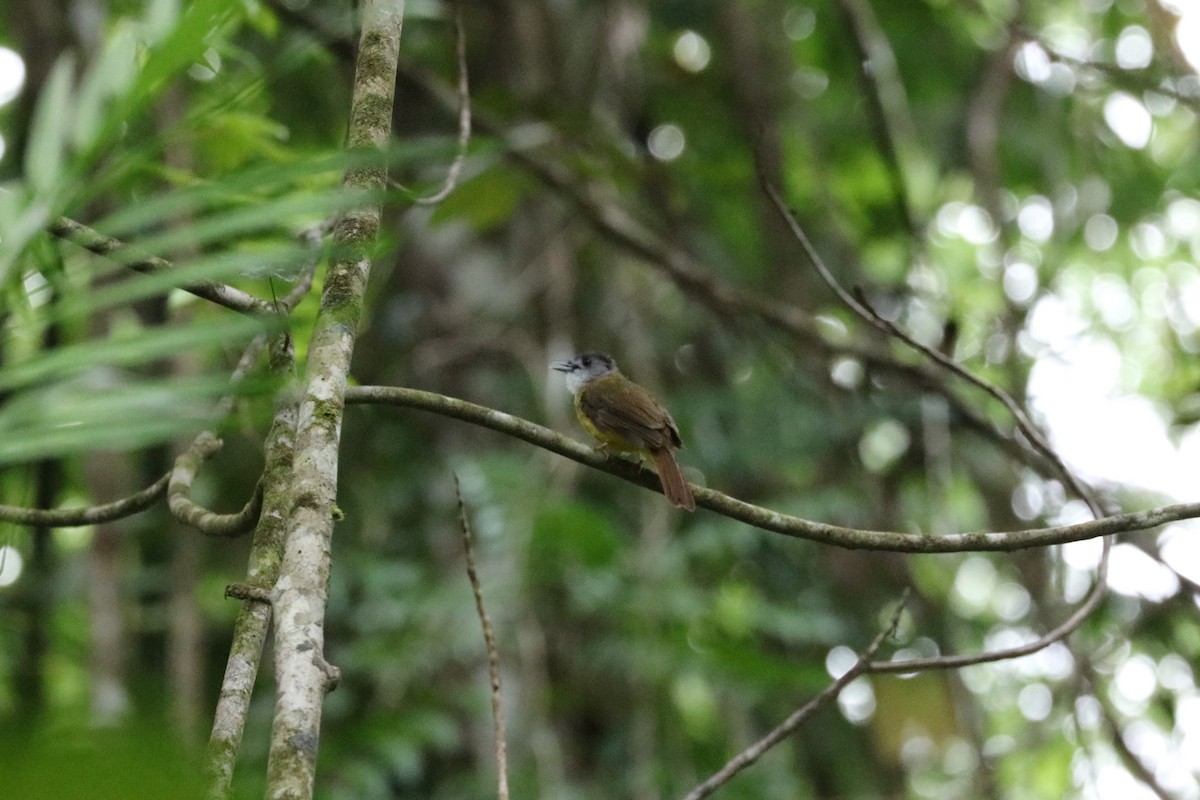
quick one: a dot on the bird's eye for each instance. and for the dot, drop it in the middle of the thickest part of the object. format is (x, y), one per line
(587, 362)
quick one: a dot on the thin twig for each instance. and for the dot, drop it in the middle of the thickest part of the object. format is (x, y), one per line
(311, 237)
(189, 512)
(858, 305)
(1061, 631)
(464, 114)
(764, 518)
(245, 363)
(135, 503)
(789, 725)
(1136, 81)
(205, 446)
(90, 239)
(886, 99)
(1108, 716)
(489, 640)
(245, 591)
(92, 515)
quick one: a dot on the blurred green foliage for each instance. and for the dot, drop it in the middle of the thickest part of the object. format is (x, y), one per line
(641, 647)
(72, 760)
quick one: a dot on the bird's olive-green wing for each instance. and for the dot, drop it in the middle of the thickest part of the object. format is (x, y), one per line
(629, 411)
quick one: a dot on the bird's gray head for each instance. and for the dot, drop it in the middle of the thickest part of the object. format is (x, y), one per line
(584, 367)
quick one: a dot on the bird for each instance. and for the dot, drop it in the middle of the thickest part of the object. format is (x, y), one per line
(625, 417)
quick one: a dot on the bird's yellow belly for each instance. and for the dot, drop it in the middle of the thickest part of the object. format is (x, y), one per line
(609, 439)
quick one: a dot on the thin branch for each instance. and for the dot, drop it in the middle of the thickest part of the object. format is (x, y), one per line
(90, 239)
(757, 516)
(135, 503)
(205, 446)
(858, 305)
(1129, 759)
(244, 591)
(789, 725)
(245, 363)
(191, 513)
(464, 114)
(489, 640)
(886, 99)
(1136, 81)
(266, 552)
(92, 515)
(981, 132)
(1061, 631)
(312, 237)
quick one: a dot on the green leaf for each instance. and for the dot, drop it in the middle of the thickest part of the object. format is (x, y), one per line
(160, 20)
(184, 43)
(106, 410)
(50, 130)
(111, 75)
(127, 351)
(20, 220)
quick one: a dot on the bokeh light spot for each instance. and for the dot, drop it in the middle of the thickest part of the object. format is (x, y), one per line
(11, 565)
(692, 52)
(1129, 119)
(1100, 232)
(1036, 218)
(1134, 48)
(12, 75)
(666, 142)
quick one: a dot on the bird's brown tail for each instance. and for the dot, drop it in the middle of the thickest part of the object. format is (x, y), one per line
(675, 486)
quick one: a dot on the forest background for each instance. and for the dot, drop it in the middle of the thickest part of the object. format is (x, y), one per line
(1002, 196)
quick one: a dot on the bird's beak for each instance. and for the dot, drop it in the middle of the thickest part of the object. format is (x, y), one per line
(562, 366)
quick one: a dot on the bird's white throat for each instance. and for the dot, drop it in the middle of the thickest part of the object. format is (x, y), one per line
(574, 380)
